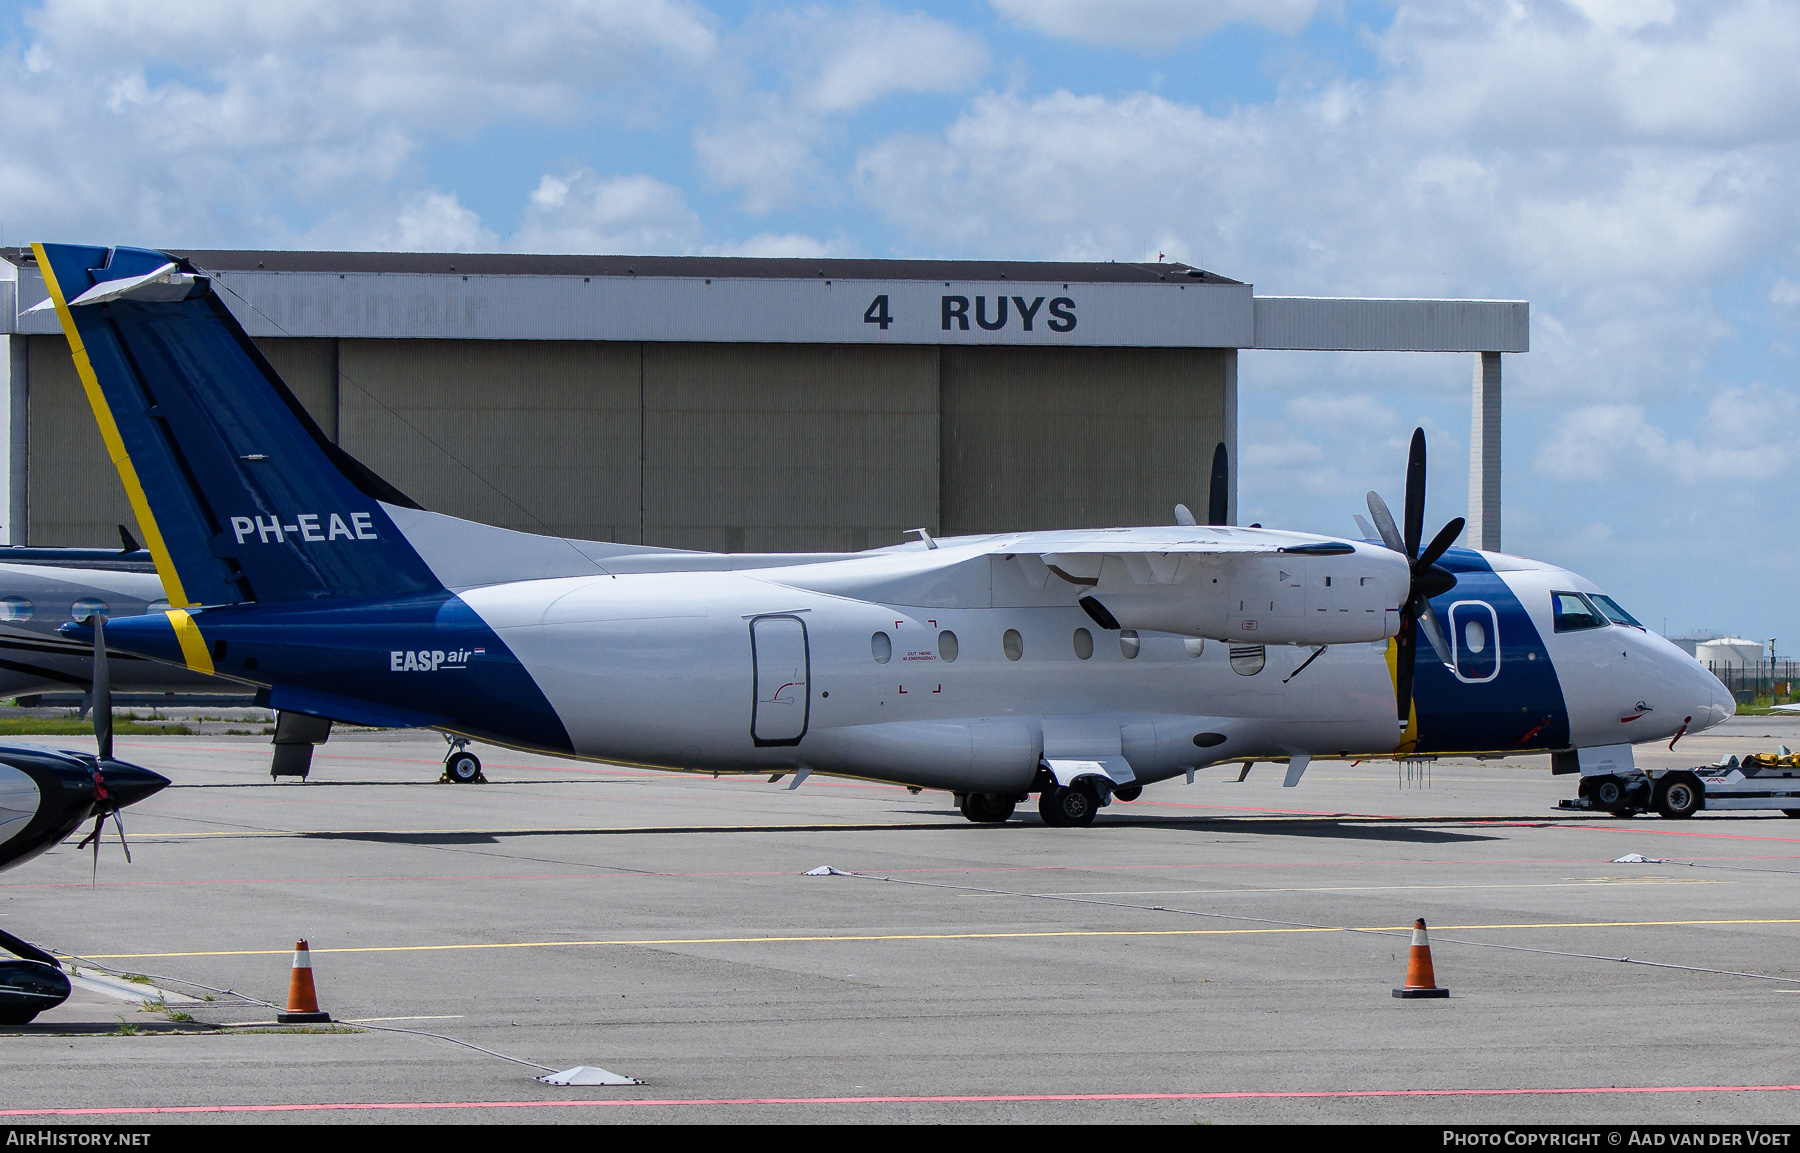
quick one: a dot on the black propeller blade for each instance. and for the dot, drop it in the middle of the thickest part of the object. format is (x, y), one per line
(104, 803)
(1218, 498)
(1429, 579)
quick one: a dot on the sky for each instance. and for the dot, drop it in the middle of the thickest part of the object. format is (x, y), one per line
(1627, 166)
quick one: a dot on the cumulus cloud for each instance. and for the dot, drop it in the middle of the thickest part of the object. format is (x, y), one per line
(822, 66)
(1152, 24)
(875, 54)
(1420, 180)
(436, 222)
(201, 120)
(585, 212)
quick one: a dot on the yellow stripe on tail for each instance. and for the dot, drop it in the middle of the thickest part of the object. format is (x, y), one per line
(193, 645)
(115, 448)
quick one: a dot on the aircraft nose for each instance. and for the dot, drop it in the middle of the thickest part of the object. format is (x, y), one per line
(128, 784)
(1713, 702)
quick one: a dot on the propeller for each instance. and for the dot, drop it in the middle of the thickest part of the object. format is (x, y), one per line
(1219, 497)
(1429, 579)
(104, 803)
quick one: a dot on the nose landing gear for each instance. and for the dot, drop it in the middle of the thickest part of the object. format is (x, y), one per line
(461, 767)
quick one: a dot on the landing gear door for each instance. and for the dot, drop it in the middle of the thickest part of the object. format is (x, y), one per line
(782, 680)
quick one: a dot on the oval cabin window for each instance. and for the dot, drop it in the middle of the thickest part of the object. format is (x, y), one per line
(947, 645)
(881, 647)
(86, 607)
(1084, 644)
(1014, 644)
(1129, 645)
(1248, 660)
(15, 609)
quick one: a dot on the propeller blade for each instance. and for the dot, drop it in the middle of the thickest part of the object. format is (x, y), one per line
(1218, 498)
(102, 690)
(120, 825)
(1183, 517)
(1384, 521)
(1407, 645)
(1428, 624)
(94, 839)
(1444, 539)
(1415, 493)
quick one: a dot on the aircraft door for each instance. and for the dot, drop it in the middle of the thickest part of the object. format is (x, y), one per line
(1475, 635)
(782, 680)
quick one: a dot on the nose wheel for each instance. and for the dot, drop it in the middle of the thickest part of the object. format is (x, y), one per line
(462, 767)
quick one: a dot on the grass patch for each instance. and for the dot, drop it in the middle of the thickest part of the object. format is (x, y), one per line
(126, 1029)
(58, 727)
(137, 978)
(299, 1029)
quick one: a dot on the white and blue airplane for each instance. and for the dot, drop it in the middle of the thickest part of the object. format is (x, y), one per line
(1079, 666)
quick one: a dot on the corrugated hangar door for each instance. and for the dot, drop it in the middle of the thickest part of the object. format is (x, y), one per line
(1044, 438)
(539, 436)
(75, 497)
(781, 447)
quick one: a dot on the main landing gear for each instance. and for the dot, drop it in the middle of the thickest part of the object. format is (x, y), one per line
(987, 808)
(462, 767)
(1072, 807)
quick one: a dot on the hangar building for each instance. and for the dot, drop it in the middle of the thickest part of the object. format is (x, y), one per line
(746, 404)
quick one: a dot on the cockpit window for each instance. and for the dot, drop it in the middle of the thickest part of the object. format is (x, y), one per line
(1574, 612)
(1613, 612)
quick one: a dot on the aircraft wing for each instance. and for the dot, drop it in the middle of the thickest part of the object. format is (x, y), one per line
(1245, 586)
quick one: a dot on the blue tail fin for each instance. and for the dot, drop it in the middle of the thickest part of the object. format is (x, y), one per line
(239, 494)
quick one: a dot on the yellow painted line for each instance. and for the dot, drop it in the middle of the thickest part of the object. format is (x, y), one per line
(115, 444)
(852, 938)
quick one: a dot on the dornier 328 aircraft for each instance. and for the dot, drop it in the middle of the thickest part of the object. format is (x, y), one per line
(1077, 665)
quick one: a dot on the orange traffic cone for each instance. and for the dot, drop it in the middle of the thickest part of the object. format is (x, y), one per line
(1420, 980)
(303, 999)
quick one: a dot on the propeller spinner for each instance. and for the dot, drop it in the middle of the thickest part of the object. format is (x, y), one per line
(1429, 579)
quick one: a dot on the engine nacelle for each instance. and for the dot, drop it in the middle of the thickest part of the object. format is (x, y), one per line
(1314, 598)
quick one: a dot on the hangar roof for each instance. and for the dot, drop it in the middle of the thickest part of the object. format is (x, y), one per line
(503, 296)
(719, 267)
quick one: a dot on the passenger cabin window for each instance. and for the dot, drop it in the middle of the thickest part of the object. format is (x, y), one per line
(1014, 644)
(1614, 613)
(86, 607)
(1248, 660)
(15, 609)
(947, 645)
(1573, 612)
(1129, 645)
(1084, 644)
(881, 648)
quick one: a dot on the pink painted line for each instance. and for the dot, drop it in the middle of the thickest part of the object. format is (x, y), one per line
(1661, 832)
(958, 1099)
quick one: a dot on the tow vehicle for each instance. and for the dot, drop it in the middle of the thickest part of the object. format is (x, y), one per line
(1755, 781)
